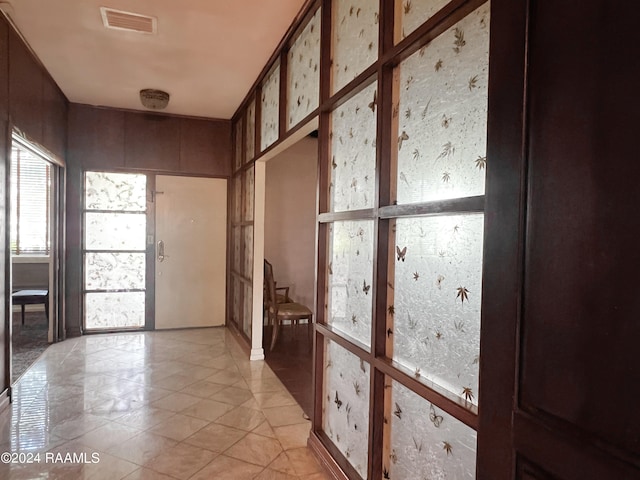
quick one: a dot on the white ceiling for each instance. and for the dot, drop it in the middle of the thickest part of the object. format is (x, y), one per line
(206, 53)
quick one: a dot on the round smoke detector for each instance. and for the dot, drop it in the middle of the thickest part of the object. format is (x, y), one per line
(154, 99)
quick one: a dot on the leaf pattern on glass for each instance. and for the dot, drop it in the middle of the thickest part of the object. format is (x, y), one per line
(459, 41)
(270, 108)
(481, 162)
(463, 294)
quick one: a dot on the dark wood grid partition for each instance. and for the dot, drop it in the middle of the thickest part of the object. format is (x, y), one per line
(383, 214)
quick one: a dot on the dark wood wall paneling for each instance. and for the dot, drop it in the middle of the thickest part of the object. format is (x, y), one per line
(4, 254)
(109, 139)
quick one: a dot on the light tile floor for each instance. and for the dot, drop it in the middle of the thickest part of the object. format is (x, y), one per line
(157, 405)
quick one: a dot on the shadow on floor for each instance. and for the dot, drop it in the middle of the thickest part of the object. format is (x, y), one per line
(29, 340)
(292, 361)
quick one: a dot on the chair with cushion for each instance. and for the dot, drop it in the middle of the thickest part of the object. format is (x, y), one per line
(279, 311)
(31, 297)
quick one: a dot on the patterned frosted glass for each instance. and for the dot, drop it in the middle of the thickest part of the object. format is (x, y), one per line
(353, 152)
(237, 156)
(350, 277)
(237, 290)
(114, 310)
(249, 188)
(115, 191)
(248, 251)
(237, 198)
(413, 13)
(248, 311)
(304, 72)
(115, 231)
(427, 442)
(270, 108)
(442, 114)
(355, 39)
(251, 130)
(114, 271)
(437, 289)
(345, 406)
(236, 232)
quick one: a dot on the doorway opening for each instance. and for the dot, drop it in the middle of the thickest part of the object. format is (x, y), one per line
(289, 245)
(35, 185)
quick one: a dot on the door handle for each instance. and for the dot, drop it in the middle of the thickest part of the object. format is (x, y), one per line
(161, 255)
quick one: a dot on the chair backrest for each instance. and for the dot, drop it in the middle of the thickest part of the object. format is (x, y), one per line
(269, 287)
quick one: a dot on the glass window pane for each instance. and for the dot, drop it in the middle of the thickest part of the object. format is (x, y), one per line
(438, 292)
(345, 407)
(115, 231)
(115, 191)
(410, 14)
(350, 298)
(426, 442)
(249, 181)
(270, 108)
(114, 310)
(114, 271)
(248, 310)
(442, 114)
(251, 130)
(355, 39)
(237, 157)
(237, 198)
(236, 249)
(353, 152)
(248, 251)
(304, 72)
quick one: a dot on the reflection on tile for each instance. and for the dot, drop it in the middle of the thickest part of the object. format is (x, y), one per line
(226, 468)
(255, 449)
(145, 403)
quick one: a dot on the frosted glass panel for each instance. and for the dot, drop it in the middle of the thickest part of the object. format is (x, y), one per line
(353, 152)
(115, 231)
(114, 271)
(249, 187)
(114, 310)
(442, 114)
(237, 291)
(251, 130)
(237, 198)
(350, 298)
(304, 72)
(270, 108)
(427, 442)
(437, 288)
(413, 13)
(237, 156)
(246, 321)
(115, 191)
(236, 249)
(248, 251)
(345, 406)
(355, 39)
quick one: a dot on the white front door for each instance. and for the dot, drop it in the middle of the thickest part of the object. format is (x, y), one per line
(191, 223)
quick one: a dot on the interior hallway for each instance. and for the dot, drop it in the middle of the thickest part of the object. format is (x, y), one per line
(182, 404)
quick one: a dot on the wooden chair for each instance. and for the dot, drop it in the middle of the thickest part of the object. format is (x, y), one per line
(288, 310)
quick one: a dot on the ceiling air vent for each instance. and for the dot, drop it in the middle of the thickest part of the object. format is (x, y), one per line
(133, 22)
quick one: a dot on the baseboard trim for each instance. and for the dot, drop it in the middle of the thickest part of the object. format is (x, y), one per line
(73, 332)
(325, 459)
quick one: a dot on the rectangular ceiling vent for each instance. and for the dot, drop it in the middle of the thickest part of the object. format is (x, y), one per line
(132, 22)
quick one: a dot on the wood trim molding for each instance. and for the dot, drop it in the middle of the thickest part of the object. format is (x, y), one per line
(325, 459)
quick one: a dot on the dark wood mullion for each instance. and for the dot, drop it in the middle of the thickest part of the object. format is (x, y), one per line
(348, 215)
(257, 132)
(456, 205)
(348, 343)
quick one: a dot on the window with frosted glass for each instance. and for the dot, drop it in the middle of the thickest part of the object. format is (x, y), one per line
(355, 39)
(249, 187)
(237, 305)
(113, 310)
(350, 298)
(237, 155)
(442, 114)
(115, 191)
(426, 442)
(248, 251)
(410, 14)
(115, 270)
(236, 214)
(250, 140)
(345, 407)
(237, 259)
(437, 292)
(270, 108)
(247, 310)
(353, 152)
(304, 72)
(115, 231)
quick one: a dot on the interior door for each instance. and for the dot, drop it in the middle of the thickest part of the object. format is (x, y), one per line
(191, 219)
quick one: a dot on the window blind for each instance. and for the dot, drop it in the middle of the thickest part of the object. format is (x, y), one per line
(30, 193)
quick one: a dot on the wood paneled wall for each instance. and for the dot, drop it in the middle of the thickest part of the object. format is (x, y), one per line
(31, 102)
(108, 139)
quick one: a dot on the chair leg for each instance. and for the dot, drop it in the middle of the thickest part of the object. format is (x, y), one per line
(22, 310)
(310, 328)
(274, 337)
(46, 308)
